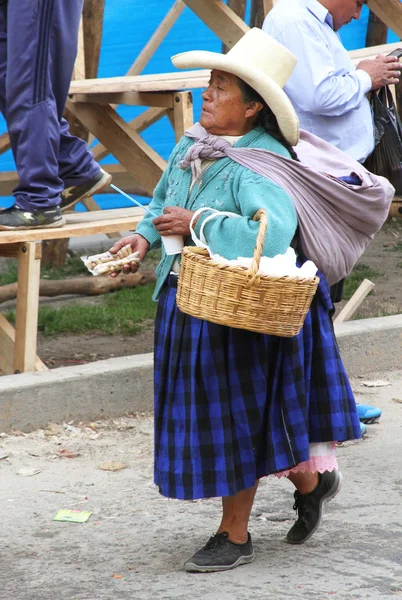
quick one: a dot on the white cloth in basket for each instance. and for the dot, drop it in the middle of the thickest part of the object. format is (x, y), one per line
(279, 266)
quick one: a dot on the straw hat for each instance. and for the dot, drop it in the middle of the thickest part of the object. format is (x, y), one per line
(263, 63)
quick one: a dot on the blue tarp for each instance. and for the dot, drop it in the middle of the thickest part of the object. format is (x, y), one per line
(128, 25)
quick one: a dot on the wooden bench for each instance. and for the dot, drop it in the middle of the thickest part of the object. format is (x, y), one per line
(93, 102)
(18, 346)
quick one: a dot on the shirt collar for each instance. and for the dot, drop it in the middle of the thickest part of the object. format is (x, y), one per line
(320, 12)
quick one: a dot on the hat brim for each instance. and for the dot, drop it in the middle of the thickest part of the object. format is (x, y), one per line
(268, 89)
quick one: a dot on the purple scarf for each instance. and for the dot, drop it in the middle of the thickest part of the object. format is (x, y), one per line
(337, 220)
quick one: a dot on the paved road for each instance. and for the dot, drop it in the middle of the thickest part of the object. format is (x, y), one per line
(135, 542)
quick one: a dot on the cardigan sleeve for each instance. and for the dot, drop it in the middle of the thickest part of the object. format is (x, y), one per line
(233, 237)
(146, 227)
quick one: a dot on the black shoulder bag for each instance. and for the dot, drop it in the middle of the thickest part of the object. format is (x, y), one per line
(386, 158)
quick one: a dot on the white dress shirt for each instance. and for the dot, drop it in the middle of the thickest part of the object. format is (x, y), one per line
(328, 93)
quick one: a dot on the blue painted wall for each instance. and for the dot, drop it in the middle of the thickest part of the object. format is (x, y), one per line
(128, 26)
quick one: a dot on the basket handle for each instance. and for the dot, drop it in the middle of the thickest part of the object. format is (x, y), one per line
(201, 242)
(262, 217)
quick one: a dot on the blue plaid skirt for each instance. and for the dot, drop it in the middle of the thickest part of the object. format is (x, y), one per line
(232, 406)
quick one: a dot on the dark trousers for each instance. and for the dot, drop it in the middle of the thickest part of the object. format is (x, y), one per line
(38, 46)
(336, 291)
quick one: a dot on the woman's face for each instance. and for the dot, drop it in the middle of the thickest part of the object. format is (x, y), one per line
(224, 111)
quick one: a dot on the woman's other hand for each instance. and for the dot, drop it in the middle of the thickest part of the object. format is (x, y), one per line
(138, 244)
(174, 221)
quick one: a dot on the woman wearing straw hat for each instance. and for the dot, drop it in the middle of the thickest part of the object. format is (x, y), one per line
(232, 406)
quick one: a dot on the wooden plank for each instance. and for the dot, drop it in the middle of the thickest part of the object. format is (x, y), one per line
(118, 214)
(26, 321)
(182, 117)
(220, 19)
(4, 142)
(155, 40)
(125, 144)
(94, 225)
(162, 82)
(372, 52)
(390, 13)
(7, 337)
(351, 307)
(144, 120)
(156, 99)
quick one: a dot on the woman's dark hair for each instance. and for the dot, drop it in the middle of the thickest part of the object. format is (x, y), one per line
(266, 117)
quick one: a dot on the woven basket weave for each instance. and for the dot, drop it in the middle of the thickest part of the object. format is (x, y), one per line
(239, 297)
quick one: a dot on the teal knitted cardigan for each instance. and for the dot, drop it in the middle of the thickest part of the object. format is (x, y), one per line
(225, 186)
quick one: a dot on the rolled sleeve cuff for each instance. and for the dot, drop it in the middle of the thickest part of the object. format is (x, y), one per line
(151, 235)
(364, 80)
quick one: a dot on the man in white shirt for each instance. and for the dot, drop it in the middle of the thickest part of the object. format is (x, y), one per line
(329, 96)
(327, 91)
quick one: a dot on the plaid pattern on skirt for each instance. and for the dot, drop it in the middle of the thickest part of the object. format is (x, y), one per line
(232, 406)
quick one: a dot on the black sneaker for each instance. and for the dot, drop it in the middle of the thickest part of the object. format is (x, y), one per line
(219, 554)
(309, 507)
(72, 195)
(16, 218)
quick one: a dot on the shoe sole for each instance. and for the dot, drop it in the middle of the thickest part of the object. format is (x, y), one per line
(370, 421)
(59, 223)
(100, 185)
(330, 495)
(193, 568)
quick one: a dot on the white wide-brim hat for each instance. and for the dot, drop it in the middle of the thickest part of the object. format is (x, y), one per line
(264, 64)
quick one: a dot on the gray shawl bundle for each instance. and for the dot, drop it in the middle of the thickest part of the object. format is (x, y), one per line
(337, 220)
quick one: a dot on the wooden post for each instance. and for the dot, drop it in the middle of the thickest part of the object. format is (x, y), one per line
(268, 5)
(181, 116)
(239, 8)
(257, 13)
(376, 31)
(93, 28)
(390, 13)
(351, 307)
(26, 325)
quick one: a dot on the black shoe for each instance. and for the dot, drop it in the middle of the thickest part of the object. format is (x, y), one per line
(16, 218)
(219, 554)
(72, 195)
(309, 507)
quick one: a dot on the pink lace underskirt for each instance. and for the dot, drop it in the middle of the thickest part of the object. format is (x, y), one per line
(322, 458)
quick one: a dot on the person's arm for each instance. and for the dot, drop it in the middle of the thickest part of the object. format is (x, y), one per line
(232, 237)
(313, 86)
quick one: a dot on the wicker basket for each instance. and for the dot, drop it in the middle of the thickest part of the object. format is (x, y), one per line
(238, 297)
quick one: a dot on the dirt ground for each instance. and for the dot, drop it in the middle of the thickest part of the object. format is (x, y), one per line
(384, 255)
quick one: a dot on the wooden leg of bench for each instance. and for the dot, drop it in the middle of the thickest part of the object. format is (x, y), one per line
(181, 116)
(7, 336)
(26, 328)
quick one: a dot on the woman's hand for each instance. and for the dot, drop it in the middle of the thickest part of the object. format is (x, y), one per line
(138, 244)
(174, 221)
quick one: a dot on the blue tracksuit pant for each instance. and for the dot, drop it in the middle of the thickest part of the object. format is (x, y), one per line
(38, 46)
